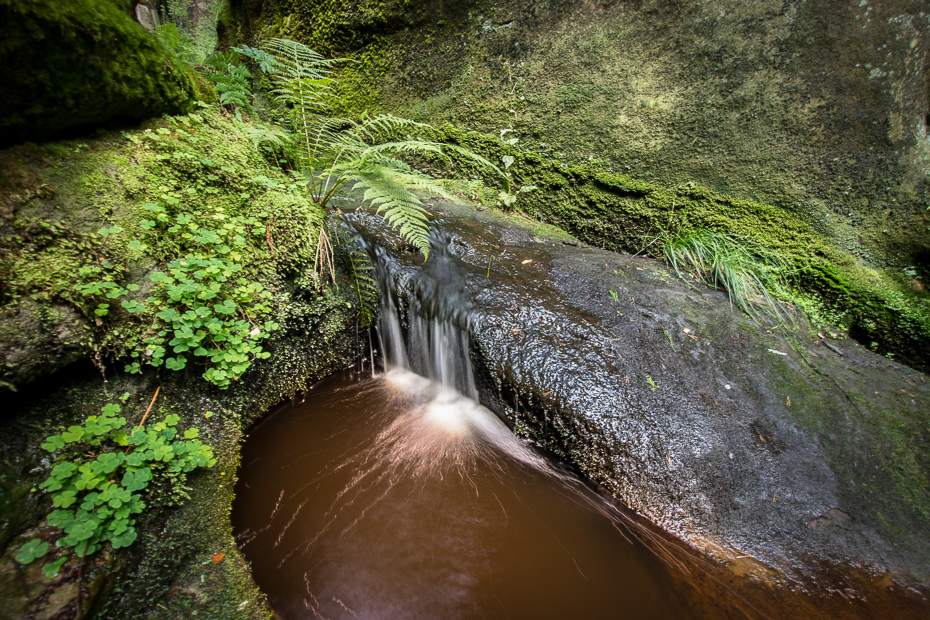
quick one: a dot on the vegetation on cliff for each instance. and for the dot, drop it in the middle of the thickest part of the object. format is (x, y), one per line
(137, 243)
(82, 63)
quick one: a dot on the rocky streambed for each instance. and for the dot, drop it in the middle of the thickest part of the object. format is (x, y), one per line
(790, 454)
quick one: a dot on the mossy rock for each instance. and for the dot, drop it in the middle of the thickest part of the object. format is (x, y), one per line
(818, 110)
(82, 62)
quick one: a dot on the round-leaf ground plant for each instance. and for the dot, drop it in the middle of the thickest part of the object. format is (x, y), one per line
(105, 472)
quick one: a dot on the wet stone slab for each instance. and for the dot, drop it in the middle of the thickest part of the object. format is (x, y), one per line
(780, 452)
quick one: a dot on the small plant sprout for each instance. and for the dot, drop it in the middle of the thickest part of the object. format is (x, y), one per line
(616, 298)
(508, 197)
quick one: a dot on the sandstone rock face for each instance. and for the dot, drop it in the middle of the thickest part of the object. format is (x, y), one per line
(820, 108)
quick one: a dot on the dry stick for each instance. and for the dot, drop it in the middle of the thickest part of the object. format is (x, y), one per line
(142, 421)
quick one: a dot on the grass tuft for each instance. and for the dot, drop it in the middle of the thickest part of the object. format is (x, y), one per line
(750, 273)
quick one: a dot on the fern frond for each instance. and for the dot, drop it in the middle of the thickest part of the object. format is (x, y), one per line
(378, 128)
(266, 62)
(296, 60)
(367, 290)
(413, 147)
(478, 159)
(274, 137)
(402, 209)
(424, 183)
(231, 81)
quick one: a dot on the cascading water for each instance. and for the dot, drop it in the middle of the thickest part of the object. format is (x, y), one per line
(439, 313)
(452, 429)
(399, 496)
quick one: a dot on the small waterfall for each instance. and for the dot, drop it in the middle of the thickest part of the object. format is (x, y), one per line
(399, 495)
(431, 358)
(438, 314)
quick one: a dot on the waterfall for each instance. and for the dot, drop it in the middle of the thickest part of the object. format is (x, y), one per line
(400, 496)
(438, 314)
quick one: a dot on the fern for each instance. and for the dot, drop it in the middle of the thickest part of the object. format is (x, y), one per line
(231, 81)
(274, 140)
(267, 63)
(357, 262)
(334, 152)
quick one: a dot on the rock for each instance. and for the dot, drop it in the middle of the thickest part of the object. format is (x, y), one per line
(13, 591)
(82, 62)
(58, 600)
(698, 436)
(817, 108)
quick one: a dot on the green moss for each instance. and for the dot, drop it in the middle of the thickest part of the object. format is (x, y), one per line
(200, 164)
(617, 212)
(83, 62)
(56, 198)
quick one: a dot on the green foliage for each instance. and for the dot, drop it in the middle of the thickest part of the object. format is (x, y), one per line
(266, 62)
(616, 298)
(31, 551)
(357, 262)
(202, 305)
(652, 384)
(38, 260)
(103, 474)
(335, 152)
(508, 198)
(231, 81)
(277, 142)
(750, 273)
(195, 41)
(179, 43)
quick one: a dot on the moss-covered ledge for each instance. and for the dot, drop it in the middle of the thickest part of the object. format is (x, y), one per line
(83, 207)
(82, 62)
(885, 311)
(185, 559)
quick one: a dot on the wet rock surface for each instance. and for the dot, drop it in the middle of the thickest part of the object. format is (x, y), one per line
(776, 450)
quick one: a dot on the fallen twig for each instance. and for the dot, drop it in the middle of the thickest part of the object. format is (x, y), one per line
(142, 421)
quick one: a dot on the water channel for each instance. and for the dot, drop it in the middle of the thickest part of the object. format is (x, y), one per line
(395, 494)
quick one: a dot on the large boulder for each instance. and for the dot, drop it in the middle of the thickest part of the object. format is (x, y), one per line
(792, 457)
(82, 62)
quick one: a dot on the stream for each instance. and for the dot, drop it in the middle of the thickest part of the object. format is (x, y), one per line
(395, 494)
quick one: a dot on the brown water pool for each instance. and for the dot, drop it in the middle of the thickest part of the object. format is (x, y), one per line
(390, 498)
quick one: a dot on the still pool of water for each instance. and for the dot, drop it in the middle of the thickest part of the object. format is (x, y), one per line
(393, 498)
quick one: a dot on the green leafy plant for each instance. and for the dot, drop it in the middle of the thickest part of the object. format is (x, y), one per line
(31, 551)
(616, 298)
(202, 306)
(508, 199)
(651, 381)
(336, 152)
(751, 274)
(358, 264)
(231, 82)
(105, 472)
(275, 141)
